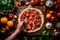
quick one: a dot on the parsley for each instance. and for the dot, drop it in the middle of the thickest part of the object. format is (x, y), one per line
(25, 24)
(37, 21)
(6, 6)
(31, 26)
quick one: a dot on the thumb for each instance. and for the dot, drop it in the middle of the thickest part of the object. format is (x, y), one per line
(20, 24)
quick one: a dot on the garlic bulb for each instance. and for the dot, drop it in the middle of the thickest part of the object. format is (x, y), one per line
(48, 25)
(49, 3)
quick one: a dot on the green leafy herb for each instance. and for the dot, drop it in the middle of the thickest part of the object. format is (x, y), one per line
(6, 6)
(46, 33)
(31, 26)
(38, 16)
(30, 12)
(25, 24)
(37, 21)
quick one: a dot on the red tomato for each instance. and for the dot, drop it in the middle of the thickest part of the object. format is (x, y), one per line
(58, 1)
(30, 18)
(33, 15)
(27, 21)
(11, 15)
(53, 18)
(19, 4)
(32, 2)
(51, 12)
(30, 22)
(41, 3)
(34, 12)
(27, 28)
(55, 3)
(34, 20)
(42, 0)
(58, 14)
(27, 15)
(36, 1)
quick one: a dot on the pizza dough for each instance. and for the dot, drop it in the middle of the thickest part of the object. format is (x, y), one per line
(33, 18)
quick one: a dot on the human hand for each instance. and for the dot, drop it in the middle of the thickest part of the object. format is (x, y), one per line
(19, 26)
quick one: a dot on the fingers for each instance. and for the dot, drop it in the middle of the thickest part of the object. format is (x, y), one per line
(20, 25)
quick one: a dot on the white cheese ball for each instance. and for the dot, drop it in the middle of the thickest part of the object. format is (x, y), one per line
(48, 25)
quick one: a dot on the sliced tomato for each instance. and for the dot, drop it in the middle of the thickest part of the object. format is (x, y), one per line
(32, 2)
(19, 4)
(30, 18)
(34, 12)
(27, 15)
(30, 22)
(33, 15)
(34, 20)
(27, 28)
(27, 21)
(24, 13)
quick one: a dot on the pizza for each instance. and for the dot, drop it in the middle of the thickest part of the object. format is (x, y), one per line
(33, 19)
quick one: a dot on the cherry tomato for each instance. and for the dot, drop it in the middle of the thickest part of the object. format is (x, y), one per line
(58, 14)
(30, 18)
(34, 20)
(32, 2)
(30, 22)
(53, 18)
(33, 15)
(34, 12)
(55, 3)
(11, 15)
(58, 1)
(27, 28)
(41, 3)
(19, 4)
(51, 12)
(27, 15)
(42, 0)
(27, 21)
(36, 1)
